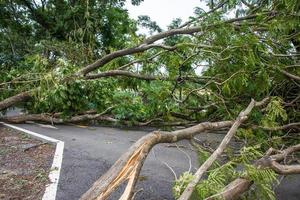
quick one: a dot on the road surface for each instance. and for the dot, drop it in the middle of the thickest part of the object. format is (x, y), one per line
(89, 152)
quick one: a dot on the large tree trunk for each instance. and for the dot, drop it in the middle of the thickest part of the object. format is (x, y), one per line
(54, 118)
(21, 97)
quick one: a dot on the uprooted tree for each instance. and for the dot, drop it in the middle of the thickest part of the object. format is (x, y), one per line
(235, 68)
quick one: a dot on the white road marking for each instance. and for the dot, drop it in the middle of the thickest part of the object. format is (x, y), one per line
(51, 189)
(50, 192)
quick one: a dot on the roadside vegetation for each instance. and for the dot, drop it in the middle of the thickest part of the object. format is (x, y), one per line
(234, 68)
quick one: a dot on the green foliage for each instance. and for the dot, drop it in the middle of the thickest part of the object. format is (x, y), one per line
(128, 106)
(238, 166)
(92, 25)
(181, 183)
(216, 180)
(212, 74)
(145, 21)
(78, 33)
(275, 112)
(264, 179)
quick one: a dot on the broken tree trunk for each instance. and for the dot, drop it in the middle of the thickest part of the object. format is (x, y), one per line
(128, 166)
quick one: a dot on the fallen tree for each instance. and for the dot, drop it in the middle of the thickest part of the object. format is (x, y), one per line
(80, 73)
(204, 167)
(12, 101)
(130, 163)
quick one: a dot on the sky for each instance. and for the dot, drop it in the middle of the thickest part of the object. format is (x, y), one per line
(164, 11)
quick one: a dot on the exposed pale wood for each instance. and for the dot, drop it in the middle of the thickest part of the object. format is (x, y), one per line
(233, 190)
(284, 169)
(133, 159)
(137, 154)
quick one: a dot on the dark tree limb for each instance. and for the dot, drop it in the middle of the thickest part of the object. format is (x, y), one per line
(109, 57)
(123, 73)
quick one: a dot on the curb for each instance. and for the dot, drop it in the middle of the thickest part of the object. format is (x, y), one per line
(51, 189)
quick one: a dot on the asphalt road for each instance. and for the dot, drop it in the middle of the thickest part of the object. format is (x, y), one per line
(89, 152)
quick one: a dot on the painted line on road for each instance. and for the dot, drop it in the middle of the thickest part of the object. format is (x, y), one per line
(51, 189)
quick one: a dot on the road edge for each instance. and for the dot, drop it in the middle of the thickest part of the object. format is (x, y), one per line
(51, 189)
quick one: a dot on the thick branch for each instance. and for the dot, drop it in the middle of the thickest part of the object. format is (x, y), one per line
(21, 97)
(148, 43)
(54, 119)
(113, 73)
(236, 188)
(133, 159)
(123, 73)
(284, 169)
(289, 75)
(190, 30)
(206, 165)
(109, 57)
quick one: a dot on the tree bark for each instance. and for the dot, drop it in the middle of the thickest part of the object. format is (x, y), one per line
(54, 118)
(239, 186)
(148, 44)
(187, 193)
(113, 73)
(128, 166)
(22, 97)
